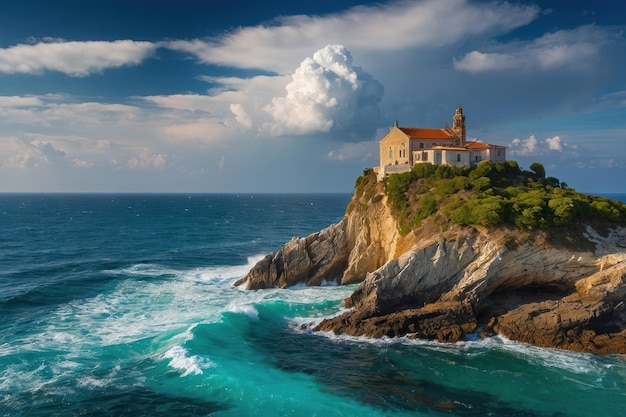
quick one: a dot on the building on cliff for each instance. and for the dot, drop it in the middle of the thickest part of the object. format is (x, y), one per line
(403, 147)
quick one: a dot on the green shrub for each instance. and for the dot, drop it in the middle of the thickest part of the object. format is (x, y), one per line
(489, 211)
(512, 168)
(483, 169)
(481, 183)
(490, 194)
(538, 169)
(427, 205)
(445, 187)
(607, 209)
(553, 182)
(423, 170)
(563, 210)
(462, 215)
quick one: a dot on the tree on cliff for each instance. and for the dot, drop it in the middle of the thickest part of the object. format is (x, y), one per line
(492, 194)
(538, 169)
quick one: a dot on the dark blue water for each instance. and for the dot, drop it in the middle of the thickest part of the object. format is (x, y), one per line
(124, 305)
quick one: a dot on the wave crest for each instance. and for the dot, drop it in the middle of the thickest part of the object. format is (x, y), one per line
(180, 359)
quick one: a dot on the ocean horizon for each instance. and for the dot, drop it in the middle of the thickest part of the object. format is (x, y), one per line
(115, 304)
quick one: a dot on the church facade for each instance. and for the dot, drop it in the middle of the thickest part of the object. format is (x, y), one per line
(403, 147)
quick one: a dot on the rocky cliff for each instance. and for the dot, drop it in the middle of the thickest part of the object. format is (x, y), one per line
(446, 281)
(365, 239)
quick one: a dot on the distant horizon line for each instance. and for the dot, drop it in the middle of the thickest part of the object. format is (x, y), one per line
(222, 192)
(174, 192)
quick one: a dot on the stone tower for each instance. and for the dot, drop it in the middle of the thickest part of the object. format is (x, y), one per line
(458, 124)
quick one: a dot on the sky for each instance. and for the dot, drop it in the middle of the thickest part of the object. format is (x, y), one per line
(294, 96)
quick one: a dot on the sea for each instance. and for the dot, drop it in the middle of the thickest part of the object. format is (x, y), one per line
(124, 305)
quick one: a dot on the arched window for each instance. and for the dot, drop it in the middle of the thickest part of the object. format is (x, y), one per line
(390, 152)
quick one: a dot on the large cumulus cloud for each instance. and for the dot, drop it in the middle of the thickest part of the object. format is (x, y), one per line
(327, 92)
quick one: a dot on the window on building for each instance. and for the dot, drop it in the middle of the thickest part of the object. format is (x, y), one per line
(421, 146)
(458, 157)
(425, 156)
(390, 152)
(498, 152)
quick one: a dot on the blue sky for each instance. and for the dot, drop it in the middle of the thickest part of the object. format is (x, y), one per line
(248, 96)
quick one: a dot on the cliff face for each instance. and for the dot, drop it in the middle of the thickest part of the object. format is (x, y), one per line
(443, 285)
(361, 242)
(535, 294)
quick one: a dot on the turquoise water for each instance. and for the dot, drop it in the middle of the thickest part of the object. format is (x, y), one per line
(124, 305)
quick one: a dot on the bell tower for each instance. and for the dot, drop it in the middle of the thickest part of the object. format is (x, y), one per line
(458, 124)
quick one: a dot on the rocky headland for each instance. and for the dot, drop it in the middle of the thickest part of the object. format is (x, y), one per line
(561, 287)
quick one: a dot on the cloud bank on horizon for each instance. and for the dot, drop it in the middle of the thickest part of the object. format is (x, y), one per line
(298, 103)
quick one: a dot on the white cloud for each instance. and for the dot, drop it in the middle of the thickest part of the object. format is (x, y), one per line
(534, 147)
(564, 48)
(190, 102)
(17, 152)
(554, 143)
(523, 147)
(195, 131)
(51, 111)
(77, 59)
(476, 61)
(237, 102)
(393, 26)
(82, 164)
(326, 92)
(147, 160)
(241, 115)
(15, 101)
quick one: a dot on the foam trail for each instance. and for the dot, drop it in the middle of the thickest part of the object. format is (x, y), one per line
(576, 362)
(204, 274)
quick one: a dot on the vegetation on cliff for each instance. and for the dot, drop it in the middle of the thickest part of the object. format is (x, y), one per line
(491, 194)
(489, 247)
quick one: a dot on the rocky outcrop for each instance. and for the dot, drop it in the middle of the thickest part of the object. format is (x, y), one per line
(362, 241)
(446, 282)
(534, 293)
(320, 256)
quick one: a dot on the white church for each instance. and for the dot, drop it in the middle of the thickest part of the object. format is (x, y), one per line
(403, 147)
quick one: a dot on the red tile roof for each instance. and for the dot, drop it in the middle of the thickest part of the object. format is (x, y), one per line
(477, 145)
(425, 133)
(482, 145)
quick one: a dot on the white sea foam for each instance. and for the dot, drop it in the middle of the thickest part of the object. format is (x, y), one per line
(44, 377)
(180, 359)
(576, 362)
(248, 310)
(138, 309)
(204, 274)
(342, 338)
(89, 381)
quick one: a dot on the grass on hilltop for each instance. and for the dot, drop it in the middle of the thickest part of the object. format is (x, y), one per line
(489, 195)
